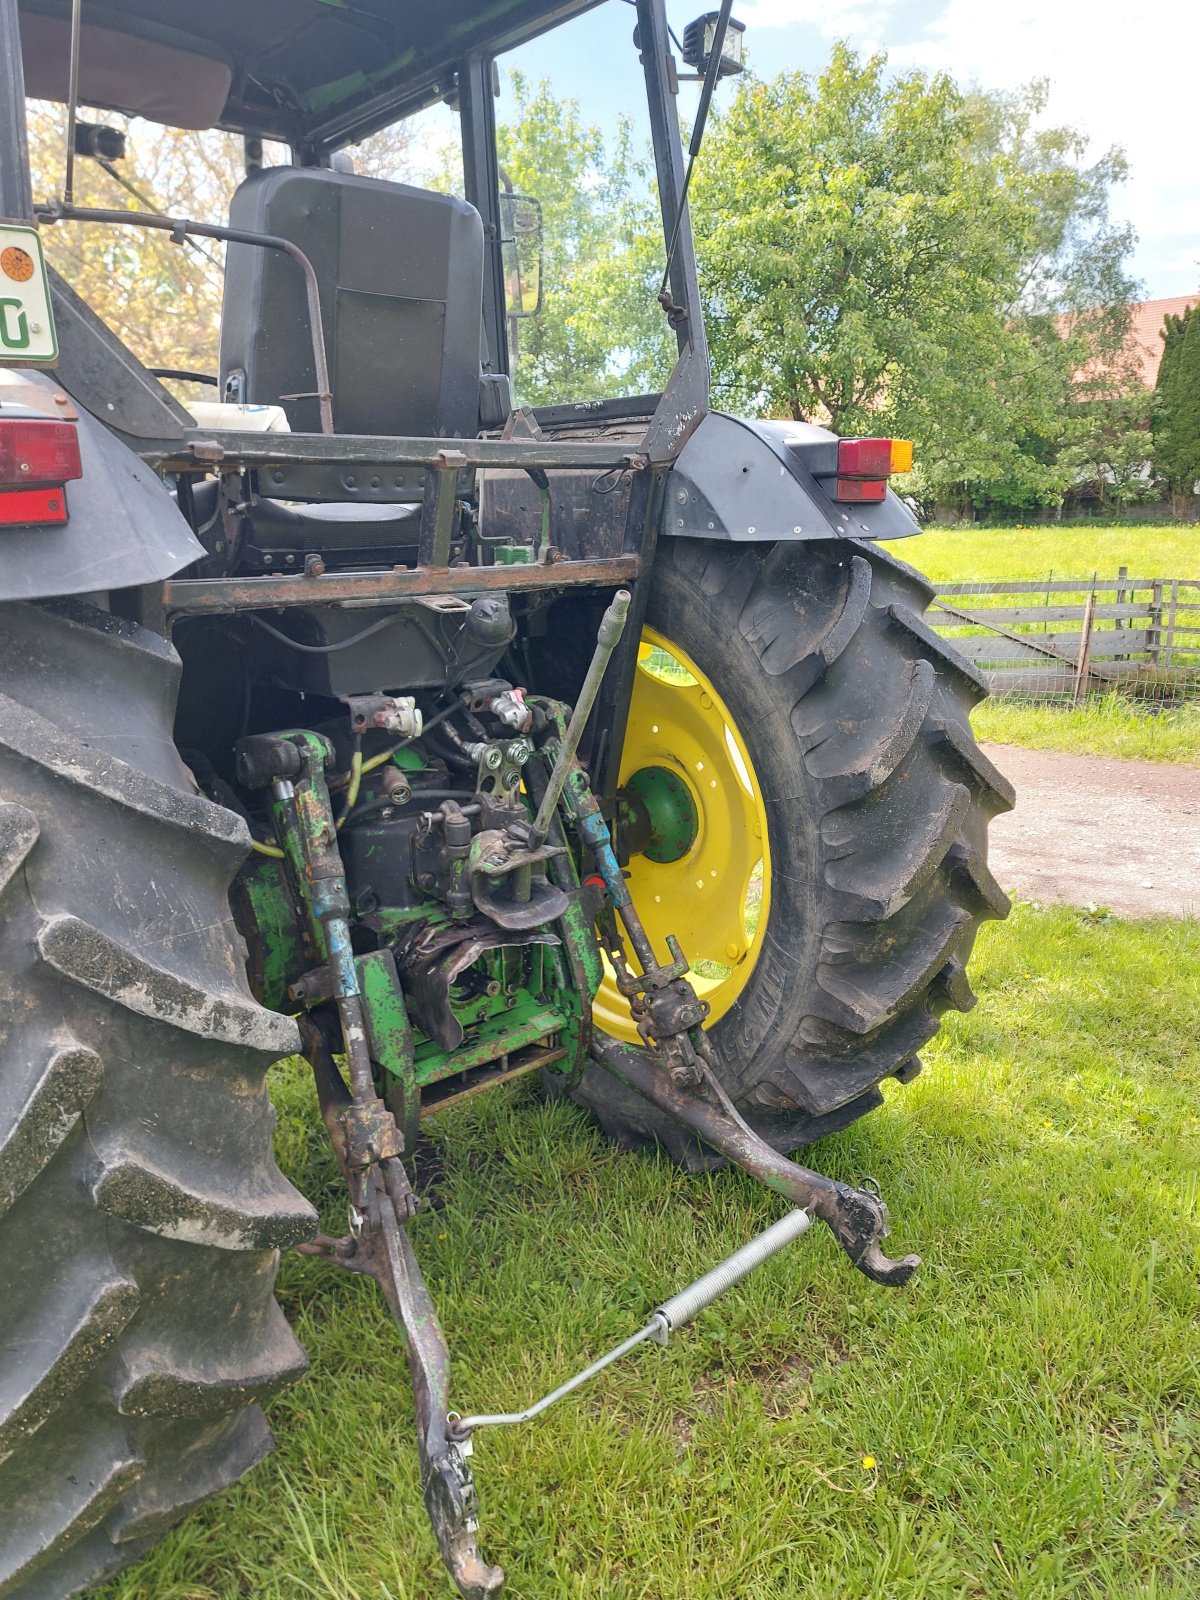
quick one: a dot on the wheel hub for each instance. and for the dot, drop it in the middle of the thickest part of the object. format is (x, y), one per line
(656, 806)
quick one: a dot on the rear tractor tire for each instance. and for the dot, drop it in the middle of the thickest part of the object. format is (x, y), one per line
(799, 749)
(141, 1212)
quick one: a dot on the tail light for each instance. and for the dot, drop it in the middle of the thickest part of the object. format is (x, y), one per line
(860, 490)
(873, 458)
(865, 465)
(39, 456)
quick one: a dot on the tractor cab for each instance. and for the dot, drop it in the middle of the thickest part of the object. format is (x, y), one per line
(421, 289)
(361, 305)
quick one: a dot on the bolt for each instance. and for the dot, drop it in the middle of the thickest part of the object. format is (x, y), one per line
(681, 496)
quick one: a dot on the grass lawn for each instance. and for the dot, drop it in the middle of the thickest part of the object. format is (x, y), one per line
(1105, 725)
(1021, 1423)
(1109, 724)
(966, 555)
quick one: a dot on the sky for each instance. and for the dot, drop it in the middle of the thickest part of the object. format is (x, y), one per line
(1122, 74)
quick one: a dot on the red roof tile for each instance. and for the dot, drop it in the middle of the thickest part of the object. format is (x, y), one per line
(1144, 343)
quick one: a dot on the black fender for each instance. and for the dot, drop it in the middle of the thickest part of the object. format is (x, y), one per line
(748, 481)
(123, 525)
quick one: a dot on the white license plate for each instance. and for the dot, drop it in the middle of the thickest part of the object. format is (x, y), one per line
(26, 321)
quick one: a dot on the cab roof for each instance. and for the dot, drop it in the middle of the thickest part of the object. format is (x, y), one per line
(325, 72)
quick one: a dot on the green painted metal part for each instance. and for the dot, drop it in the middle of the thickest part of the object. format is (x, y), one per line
(674, 820)
(391, 1040)
(514, 998)
(280, 946)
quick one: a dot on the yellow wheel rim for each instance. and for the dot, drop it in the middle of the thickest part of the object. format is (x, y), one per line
(715, 896)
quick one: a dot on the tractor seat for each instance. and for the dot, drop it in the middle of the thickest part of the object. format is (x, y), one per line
(401, 278)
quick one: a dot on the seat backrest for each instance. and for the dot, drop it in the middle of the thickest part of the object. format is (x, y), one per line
(401, 275)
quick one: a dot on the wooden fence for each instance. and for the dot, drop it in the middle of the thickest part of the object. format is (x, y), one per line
(1066, 636)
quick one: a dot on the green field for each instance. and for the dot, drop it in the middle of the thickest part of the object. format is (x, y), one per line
(1028, 1404)
(966, 555)
(1109, 724)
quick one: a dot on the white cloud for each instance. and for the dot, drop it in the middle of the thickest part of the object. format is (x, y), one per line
(1122, 76)
(833, 19)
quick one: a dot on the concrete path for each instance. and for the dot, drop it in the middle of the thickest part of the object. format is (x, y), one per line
(1088, 830)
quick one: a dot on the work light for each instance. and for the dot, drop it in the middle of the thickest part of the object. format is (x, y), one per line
(698, 42)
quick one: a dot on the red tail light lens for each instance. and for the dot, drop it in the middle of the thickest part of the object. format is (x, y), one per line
(19, 506)
(861, 489)
(873, 458)
(38, 451)
(38, 456)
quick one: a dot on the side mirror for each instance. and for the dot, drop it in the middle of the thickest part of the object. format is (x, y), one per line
(521, 253)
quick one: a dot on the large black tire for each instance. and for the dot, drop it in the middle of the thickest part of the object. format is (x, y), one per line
(141, 1212)
(855, 719)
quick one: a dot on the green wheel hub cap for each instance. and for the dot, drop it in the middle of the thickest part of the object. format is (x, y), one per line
(674, 820)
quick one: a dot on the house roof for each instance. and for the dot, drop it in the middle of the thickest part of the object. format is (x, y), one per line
(1144, 343)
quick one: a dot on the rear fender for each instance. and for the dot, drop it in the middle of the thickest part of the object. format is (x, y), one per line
(123, 525)
(747, 482)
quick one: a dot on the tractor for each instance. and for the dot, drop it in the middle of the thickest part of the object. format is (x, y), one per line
(363, 712)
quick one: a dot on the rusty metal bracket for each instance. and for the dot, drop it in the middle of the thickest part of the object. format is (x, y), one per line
(220, 596)
(383, 1251)
(857, 1218)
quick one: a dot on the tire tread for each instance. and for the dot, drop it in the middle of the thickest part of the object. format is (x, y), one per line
(140, 1205)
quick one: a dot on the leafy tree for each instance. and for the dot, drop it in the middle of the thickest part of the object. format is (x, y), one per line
(601, 331)
(162, 299)
(1177, 411)
(1108, 447)
(892, 254)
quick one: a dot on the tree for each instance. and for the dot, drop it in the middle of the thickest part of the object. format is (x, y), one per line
(1177, 405)
(601, 331)
(162, 299)
(890, 254)
(1108, 448)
